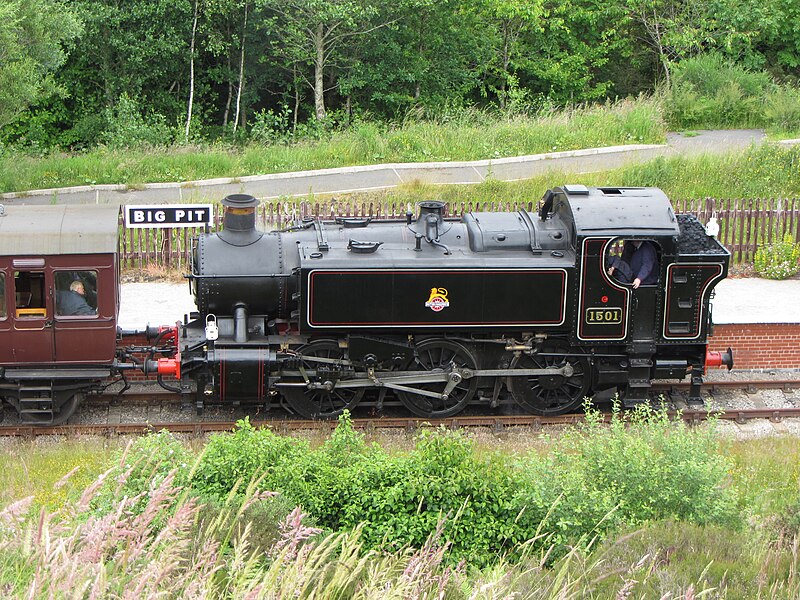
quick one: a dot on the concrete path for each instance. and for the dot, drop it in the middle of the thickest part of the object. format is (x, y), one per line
(371, 177)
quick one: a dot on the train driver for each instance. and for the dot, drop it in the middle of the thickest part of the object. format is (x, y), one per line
(638, 264)
(73, 301)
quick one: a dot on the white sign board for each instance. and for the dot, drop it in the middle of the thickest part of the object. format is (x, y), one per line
(168, 215)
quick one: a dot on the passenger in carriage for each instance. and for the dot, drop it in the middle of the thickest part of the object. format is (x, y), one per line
(638, 264)
(73, 302)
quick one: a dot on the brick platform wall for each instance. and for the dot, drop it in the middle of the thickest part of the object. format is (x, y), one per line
(759, 345)
(136, 375)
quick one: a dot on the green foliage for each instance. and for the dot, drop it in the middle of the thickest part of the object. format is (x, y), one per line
(710, 91)
(271, 126)
(331, 60)
(32, 35)
(127, 128)
(643, 467)
(456, 134)
(232, 461)
(239, 518)
(782, 109)
(779, 260)
(52, 474)
(726, 563)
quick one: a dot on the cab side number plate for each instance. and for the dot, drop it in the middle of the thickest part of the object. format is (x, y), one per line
(604, 315)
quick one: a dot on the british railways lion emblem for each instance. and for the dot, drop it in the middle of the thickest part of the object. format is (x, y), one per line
(438, 300)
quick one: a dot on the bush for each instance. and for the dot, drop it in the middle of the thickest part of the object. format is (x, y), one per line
(709, 91)
(232, 461)
(271, 127)
(778, 260)
(782, 108)
(128, 128)
(643, 467)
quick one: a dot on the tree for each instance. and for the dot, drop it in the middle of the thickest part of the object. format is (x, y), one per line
(135, 47)
(674, 29)
(192, 45)
(313, 31)
(33, 34)
(431, 57)
(508, 20)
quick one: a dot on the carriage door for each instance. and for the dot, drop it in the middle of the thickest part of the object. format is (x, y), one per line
(5, 322)
(32, 336)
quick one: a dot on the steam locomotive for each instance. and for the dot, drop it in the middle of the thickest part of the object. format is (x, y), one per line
(431, 313)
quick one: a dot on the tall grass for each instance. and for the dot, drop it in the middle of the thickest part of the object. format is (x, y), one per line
(709, 91)
(769, 171)
(472, 135)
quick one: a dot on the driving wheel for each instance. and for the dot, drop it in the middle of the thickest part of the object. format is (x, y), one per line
(551, 394)
(440, 356)
(320, 403)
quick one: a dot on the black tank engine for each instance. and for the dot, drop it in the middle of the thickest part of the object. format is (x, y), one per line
(436, 313)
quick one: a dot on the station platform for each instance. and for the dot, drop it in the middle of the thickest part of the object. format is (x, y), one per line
(755, 300)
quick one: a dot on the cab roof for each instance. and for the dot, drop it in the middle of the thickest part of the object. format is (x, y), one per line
(59, 229)
(631, 211)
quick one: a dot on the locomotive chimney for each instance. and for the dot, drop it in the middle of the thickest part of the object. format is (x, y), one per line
(239, 220)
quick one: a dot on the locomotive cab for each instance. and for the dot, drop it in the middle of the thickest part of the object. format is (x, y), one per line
(661, 326)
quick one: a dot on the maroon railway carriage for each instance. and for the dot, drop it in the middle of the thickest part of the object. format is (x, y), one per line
(55, 343)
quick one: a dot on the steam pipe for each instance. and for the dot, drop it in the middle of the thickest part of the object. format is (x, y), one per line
(240, 323)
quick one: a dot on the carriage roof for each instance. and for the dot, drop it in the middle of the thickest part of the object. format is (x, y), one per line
(60, 229)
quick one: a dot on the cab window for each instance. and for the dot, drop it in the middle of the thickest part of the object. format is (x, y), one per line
(633, 261)
(76, 293)
(30, 295)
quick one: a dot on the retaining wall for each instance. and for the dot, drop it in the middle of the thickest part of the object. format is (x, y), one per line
(760, 345)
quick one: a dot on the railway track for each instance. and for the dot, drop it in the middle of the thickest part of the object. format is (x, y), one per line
(495, 422)
(159, 395)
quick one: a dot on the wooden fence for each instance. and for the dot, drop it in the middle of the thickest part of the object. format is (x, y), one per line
(745, 224)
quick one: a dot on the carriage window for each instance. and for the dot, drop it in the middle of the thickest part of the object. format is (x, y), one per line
(76, 293)
(2, 295)
(30, 294)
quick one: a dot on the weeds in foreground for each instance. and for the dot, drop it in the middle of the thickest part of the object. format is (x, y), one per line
(167, 548)
(142, 530)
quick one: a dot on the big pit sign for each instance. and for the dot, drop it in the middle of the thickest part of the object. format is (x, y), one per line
(168, 215)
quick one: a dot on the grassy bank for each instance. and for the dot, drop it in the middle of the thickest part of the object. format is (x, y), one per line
(768, 171)
(644, 508)
(472, 135)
